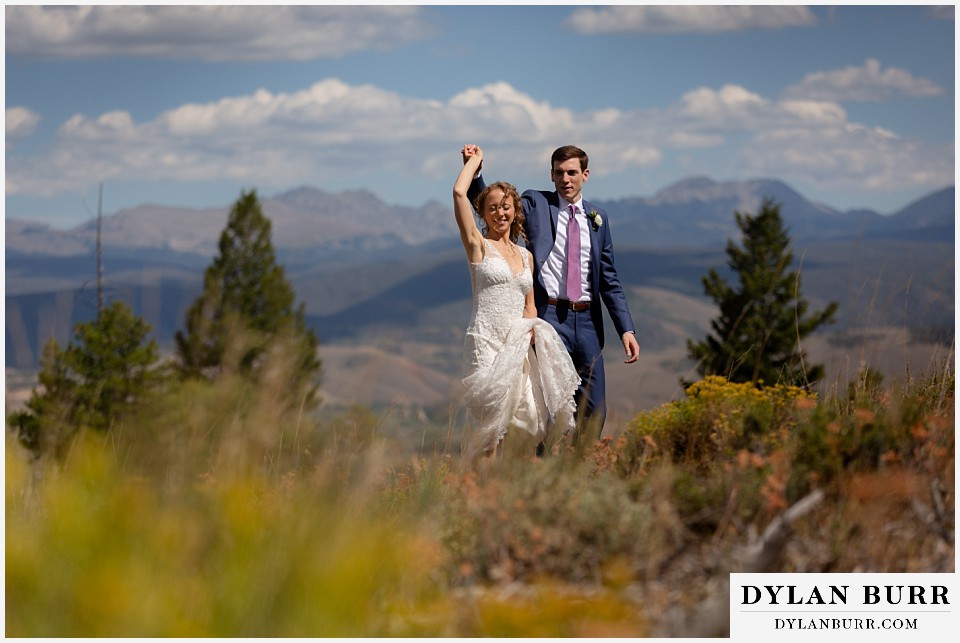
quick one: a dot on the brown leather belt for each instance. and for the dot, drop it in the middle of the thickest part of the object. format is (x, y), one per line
(575, 306)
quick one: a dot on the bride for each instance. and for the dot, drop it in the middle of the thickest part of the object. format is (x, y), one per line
(517, 371)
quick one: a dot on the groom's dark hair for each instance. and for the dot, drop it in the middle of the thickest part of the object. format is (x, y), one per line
(568, 152)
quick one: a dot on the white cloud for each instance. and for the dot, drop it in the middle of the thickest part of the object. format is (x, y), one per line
(688, 18)
(682, 140)
(117, 125)
(209, 32)
(21, 122)
(805, 140)
(850, 156)
(330, 129)
(813, 111)
(867, 83)
(635, 155)
(501, 102)
(729, 107)
(335, 132)
(942, 12)
(706, 112)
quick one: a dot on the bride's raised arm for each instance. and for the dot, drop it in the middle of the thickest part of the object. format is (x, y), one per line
(469, 233)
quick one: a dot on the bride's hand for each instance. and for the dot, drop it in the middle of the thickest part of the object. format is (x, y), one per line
(470, 151)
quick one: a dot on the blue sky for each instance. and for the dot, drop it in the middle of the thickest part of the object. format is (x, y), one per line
(852, 105)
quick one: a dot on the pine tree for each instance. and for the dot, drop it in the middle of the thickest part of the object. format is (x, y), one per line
(114, 362)
(246, 307)
(104, 371)
(47, 423)
(756, 337)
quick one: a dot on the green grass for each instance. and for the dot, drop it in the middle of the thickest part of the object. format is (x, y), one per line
(211, 512)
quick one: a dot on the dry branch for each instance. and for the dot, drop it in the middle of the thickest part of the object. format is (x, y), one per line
(713, 615)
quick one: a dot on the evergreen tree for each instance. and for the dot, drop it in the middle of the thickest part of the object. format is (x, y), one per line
(47, 423)
(114, 363)
(246, 307)
(756, 337)
(106, 369)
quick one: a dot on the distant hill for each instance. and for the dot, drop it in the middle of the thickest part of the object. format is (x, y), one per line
(699, 211)
(394, 278)
(304, 220)
(931, 218)
(312, 225)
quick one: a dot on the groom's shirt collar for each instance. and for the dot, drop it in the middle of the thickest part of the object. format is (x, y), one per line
(564, 204)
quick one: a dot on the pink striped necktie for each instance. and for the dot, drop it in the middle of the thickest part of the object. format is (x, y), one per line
(573, 256)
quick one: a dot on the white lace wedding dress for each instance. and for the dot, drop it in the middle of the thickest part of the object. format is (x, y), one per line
(507, 383)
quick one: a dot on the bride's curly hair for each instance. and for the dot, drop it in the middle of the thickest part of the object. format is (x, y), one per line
(510, 192)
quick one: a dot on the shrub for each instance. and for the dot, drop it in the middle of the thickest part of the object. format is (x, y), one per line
(548, 518)
(717, 420)
(215, 512)
(96, 551)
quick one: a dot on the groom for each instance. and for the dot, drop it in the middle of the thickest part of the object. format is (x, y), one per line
(573, 272)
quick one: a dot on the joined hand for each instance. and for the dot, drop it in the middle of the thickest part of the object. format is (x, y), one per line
(470, 151)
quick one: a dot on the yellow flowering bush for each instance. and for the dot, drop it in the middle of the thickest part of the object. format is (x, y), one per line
(745, 452)
(717, 419)
(94, 551)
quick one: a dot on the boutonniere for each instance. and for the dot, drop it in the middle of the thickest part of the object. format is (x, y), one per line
(595, 217)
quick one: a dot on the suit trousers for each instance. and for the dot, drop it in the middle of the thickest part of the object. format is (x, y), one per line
(577, 331)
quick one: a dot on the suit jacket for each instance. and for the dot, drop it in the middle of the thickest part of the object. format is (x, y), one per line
(541, 210)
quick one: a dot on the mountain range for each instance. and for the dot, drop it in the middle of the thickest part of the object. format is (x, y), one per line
(375, 274)
(310, 224)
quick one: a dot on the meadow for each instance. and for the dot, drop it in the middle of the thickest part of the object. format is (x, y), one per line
(213, 512)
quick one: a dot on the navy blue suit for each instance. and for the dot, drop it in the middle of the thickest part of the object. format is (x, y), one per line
(581, 332)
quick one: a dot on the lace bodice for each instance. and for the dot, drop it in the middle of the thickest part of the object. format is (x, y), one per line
(499, 295)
